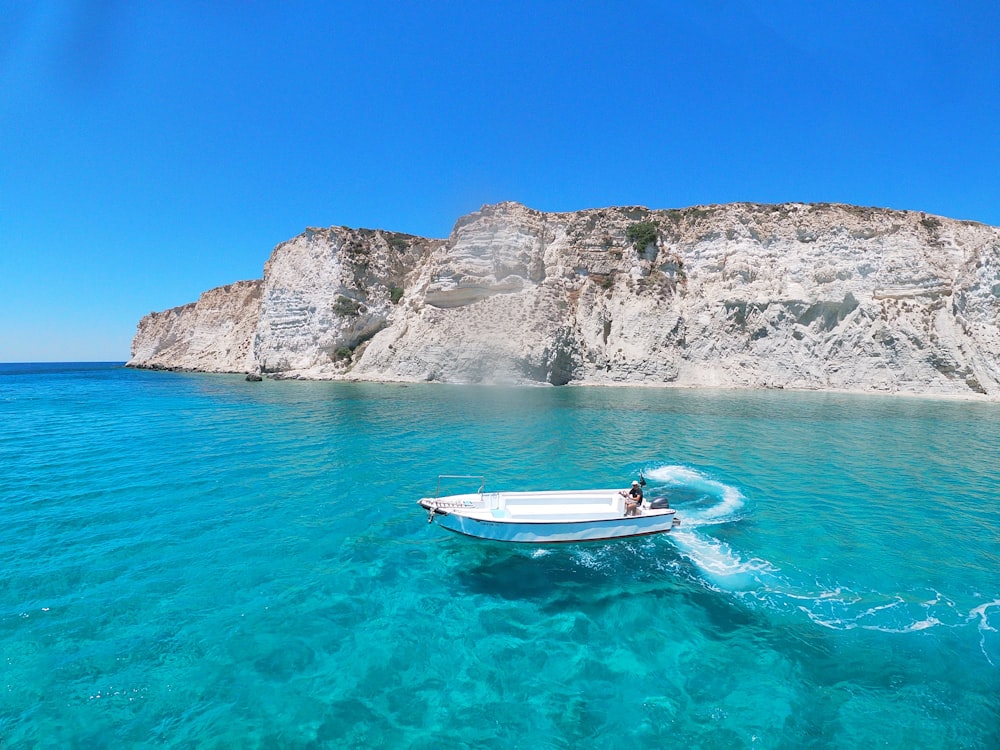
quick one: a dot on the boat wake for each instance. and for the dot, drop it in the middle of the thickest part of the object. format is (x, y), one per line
(703, 502)
(709, 502)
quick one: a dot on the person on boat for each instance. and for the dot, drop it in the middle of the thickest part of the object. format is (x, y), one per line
(633, 499)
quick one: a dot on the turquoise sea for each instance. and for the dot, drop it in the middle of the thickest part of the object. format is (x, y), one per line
(195, 561)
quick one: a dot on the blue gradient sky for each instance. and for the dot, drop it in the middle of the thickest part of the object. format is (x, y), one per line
(150, 151)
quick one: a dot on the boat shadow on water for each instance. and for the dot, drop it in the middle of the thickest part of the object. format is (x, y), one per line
(580, 572)
(535, 575)
(532, 571)
(593, 578)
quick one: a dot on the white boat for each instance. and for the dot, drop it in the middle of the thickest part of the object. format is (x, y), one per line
(545, 517)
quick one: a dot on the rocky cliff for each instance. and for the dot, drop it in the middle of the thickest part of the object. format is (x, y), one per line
(214, 334)
(814, 296)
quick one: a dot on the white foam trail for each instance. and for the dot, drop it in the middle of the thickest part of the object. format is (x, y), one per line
(727, 499)
(980, 612)
(985, 628)
(721, 565)
(703, 501)
(717, 561)
(673, 474)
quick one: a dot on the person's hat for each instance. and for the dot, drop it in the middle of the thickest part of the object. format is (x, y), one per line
(635, 483)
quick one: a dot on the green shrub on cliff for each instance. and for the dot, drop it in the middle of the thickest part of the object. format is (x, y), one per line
(641, 234)
(346, 306)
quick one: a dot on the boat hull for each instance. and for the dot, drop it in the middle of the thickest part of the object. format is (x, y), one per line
(466, 515)
(548, 532)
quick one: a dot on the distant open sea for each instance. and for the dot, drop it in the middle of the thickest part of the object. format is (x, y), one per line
(196, 561)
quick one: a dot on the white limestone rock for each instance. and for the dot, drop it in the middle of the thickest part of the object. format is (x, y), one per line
(812, 296)
(326, 292)
(214, 334)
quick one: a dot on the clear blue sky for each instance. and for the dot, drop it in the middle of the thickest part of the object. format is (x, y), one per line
(152, 150)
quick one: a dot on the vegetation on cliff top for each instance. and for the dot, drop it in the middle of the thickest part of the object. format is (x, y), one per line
(641, 234)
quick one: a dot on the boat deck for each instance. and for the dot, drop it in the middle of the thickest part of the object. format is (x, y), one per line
(539, 507)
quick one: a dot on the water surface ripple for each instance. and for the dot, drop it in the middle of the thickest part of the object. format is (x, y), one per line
(198, 561)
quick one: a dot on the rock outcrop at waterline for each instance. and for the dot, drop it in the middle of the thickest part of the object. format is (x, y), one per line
(814, 296)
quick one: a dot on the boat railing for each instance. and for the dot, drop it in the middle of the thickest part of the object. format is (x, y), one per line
(482, 482)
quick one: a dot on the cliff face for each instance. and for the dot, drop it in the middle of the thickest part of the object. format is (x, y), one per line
(327, 291)
(214, 334)
(740, 295)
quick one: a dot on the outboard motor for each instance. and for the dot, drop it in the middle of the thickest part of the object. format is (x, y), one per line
(663, 501)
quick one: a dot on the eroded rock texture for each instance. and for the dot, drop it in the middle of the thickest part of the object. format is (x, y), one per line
(741, 295)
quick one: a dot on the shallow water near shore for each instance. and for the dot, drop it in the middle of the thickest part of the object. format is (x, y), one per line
(197, 561)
